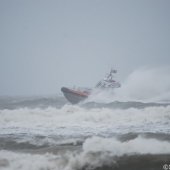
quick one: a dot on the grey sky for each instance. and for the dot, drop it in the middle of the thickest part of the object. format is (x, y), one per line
(46, 44)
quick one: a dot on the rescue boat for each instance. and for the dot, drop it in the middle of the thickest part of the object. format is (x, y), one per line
(76, 95)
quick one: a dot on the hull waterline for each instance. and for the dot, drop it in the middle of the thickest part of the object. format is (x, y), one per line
(73, 96)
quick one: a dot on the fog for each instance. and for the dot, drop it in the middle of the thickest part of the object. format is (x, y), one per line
(45, 45)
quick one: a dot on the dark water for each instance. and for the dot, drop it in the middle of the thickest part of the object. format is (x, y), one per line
(47, 133)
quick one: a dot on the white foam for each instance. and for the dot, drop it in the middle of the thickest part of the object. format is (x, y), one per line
(101, 151)
(21, 161)
(96, 152)
(138, 145)
(76, 121)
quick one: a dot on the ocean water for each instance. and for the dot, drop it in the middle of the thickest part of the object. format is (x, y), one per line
(129, 129)
(41, 133)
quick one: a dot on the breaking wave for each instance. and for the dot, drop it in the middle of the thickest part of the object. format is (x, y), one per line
(77, 120)
(70, 124)
(97, 153)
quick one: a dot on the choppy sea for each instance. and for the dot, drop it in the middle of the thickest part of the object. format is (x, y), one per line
(48, 133)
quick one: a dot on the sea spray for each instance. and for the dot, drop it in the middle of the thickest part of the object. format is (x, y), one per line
(145, 85)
